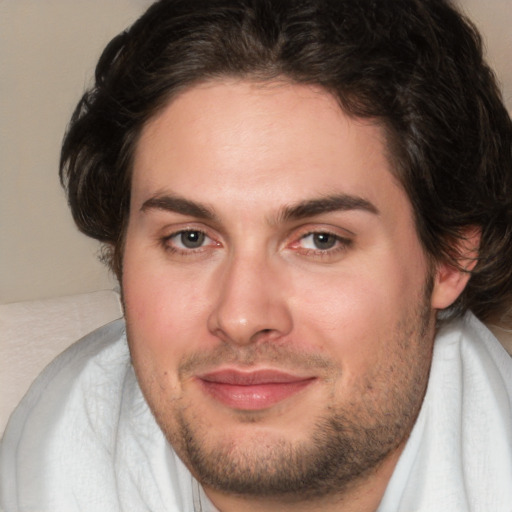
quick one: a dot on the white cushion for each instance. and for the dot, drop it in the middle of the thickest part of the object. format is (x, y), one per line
(32, 333)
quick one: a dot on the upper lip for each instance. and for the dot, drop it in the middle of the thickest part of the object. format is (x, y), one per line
(251, 378)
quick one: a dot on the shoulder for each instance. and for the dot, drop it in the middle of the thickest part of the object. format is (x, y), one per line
(102, 354)
(460, 449)
(76, 398)
(470, 412)
(471, 345)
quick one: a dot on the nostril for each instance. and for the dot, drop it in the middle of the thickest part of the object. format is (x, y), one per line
(264, 334)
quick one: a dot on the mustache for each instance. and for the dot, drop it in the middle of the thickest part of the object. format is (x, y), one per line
(271, 354)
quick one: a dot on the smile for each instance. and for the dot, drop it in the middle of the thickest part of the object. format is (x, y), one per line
(252, 391)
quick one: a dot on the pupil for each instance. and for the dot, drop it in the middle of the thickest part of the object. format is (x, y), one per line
(192, 239)
(324, 240)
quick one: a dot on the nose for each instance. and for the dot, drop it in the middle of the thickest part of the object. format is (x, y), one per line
(251, 303)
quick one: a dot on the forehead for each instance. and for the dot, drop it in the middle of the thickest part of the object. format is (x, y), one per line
(260, 143)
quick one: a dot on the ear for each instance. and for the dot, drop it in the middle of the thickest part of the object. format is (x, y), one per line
(449, 279)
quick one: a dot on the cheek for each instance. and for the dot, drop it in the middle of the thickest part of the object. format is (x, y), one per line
(165, 312)
(349, 314)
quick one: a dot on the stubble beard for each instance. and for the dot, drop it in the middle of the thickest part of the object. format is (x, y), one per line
(344, 445)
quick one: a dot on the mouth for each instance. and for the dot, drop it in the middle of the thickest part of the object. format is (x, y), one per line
(253, 390)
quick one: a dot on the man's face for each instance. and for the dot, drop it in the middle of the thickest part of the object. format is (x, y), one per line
(276, 292)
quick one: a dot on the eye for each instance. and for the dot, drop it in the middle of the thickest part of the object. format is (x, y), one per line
(187, 240)
(326, 245)
(319, 241)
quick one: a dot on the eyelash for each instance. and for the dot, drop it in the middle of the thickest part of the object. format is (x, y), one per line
(341, 244)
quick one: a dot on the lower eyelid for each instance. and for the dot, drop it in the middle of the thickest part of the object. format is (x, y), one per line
(337, 251)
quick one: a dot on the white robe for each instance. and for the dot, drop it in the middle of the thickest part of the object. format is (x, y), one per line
(83, 438)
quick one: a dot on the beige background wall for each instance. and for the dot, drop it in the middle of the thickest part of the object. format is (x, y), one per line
(48, 49)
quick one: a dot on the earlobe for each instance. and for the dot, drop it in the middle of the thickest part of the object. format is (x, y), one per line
(450, 280)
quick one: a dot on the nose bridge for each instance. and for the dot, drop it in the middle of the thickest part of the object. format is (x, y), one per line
(251, 302)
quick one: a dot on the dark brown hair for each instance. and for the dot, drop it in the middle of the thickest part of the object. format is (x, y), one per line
(415, 66)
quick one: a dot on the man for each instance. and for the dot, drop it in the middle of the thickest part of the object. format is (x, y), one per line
(307, 205)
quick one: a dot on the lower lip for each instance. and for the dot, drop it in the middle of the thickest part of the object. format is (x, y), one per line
(253, 397)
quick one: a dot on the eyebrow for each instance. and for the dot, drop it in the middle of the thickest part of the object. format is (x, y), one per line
(332, 203)
(298, 211)
(175, 204)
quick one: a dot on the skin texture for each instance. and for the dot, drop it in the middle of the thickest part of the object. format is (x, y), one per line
(280, 308)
